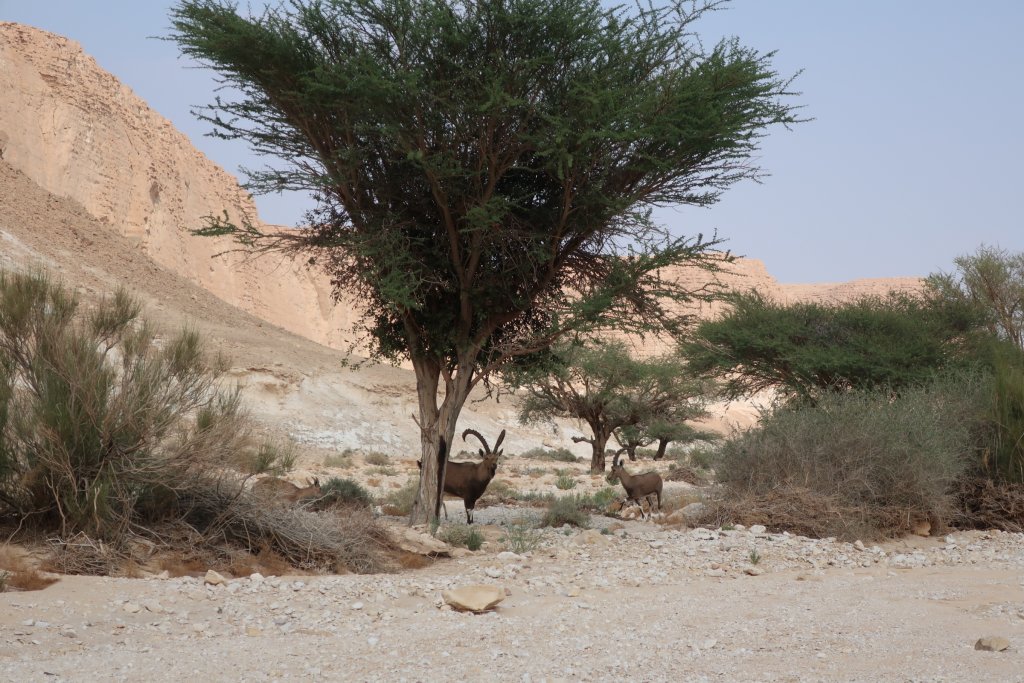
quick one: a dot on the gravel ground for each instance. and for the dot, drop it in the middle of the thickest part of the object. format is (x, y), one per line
(642, 602)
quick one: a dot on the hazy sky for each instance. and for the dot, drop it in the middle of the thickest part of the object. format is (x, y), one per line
(913, 157)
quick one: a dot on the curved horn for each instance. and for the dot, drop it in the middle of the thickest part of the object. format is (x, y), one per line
(615, 459)
(487, 449)
(497, 444)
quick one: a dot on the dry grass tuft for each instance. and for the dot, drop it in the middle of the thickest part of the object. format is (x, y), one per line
(686, 474)
(18, 573)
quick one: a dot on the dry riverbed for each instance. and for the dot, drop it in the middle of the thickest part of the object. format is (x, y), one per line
(640, 602)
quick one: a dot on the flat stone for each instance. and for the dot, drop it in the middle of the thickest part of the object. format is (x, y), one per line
(413, 541)
(754, 571)
(131, 607)
(591, 537)
(992, 644)
(758, 529)
(474, 598)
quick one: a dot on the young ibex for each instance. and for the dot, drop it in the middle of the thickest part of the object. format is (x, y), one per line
(638, 486)
(469, 480)
(286, 492)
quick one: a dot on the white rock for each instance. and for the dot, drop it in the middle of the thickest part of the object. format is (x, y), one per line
(474, 598)
(212, 578)
(131, 607)
(992, 644)
(493, 572)
(758, 529)
(509, 557)
(357, 605)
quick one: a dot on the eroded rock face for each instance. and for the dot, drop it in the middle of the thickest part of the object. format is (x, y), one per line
(78, 132)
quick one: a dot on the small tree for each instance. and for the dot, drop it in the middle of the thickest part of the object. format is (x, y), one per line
(603, 386)
(806, 349)
(991, 279)
(485, 169)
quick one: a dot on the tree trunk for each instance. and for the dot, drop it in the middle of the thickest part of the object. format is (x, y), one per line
(435, 422)
(631, 451)
(662, 445)
(599, 444)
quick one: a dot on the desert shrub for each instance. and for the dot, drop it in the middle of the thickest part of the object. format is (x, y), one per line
(501, 490)
(1001, 437)
(882, 461)
(566, 510)
(383, 471)
(95, 411)
(687, 474)
(343, 492)
(521, 537)
(554, 454)
(597, 501)
(462, 535)
(399, 502)
(565, 481)
(339, 460)
(377, 458)
(700, 456)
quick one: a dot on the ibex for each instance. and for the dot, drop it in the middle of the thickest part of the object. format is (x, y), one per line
(638, 486)
(469, 480)
(287, 492)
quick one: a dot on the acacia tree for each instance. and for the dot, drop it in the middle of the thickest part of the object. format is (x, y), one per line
(602, 385)
(991, 279)
(485, 169)
(807, 349)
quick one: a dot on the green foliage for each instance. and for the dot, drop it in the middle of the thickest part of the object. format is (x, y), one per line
(806, 349)
(879, 457)
(383, 471)
(485, 170)
(556, 454)
(754, 557)
(565, 481)
(601, 384)
(343, 492)
(94, 414)
(992, 281)
(1001, 435)
(399, 502)
(566, 510)
(462, 535)
(266, 457)
(520, 537)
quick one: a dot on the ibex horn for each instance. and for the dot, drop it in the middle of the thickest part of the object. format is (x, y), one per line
(497, 444)
(487, 449)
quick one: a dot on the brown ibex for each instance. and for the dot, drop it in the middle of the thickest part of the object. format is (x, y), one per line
(638, 486)
(286, 492)
(469, 480)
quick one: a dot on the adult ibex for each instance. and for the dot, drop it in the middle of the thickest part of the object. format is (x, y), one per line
(287, 492)
(469, 480)
(638, 486)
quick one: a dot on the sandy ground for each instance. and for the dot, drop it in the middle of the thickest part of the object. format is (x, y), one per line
(645, 602)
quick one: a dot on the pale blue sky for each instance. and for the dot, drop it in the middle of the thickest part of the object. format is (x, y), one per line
(914, 155)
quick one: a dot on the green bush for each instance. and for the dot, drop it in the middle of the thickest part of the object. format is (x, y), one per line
(554, 454)
(877, 456)
(1002, 438)
(399, 502)
(566, 510)
(343, 492)
(565, 481)
(462, 535)
(100, 420)
(520, 537)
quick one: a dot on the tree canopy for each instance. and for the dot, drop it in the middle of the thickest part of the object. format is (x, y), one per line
(993, 280)
(604, 386)
(805, 349)
(485, 169)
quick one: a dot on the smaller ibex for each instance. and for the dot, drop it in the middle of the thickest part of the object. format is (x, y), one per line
(286, 492)
(469, 480)
(638, 486)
